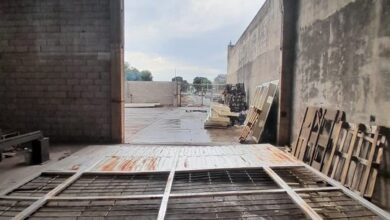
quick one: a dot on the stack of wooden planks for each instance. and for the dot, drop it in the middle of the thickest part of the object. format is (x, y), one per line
(258, 112)
(347, 152)
(219, 116)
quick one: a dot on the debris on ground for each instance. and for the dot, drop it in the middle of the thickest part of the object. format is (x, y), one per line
(66, 154)
(197, 110)
(219, 116)
(142, 105)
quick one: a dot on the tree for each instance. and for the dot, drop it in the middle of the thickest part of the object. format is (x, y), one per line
(201, 84)
(133, 74)
(146, 75)
(184, 85)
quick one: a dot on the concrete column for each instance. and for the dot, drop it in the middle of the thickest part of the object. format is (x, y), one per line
(288, 42)
(117, 64)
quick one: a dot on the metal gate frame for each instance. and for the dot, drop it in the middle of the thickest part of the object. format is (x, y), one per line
(284, 187)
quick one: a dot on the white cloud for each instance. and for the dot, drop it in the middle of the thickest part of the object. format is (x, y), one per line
(153, 27)
(163, 68)
(186, 18)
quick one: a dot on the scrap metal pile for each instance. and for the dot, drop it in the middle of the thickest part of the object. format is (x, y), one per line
(37, 143)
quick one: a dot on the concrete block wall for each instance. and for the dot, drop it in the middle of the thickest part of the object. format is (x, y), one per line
(255, 58)
(151, 92)
(55, 63)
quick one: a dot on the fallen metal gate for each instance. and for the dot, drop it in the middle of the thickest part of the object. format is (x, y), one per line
(272, 192)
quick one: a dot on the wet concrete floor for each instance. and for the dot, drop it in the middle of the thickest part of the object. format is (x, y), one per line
(174, 126)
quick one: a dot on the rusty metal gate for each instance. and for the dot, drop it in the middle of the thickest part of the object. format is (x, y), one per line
(268, 191)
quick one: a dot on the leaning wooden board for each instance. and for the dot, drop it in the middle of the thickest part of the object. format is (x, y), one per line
(258, 112)
(266, 105)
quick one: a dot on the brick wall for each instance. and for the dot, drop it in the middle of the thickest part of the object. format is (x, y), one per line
(56, 68)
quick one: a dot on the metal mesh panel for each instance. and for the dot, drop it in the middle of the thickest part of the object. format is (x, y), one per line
(10, 208)
(40, 185)
(335, 205)
(300, 177)
(99, 209)
(254, 206)
(222, 180)
(114, 185)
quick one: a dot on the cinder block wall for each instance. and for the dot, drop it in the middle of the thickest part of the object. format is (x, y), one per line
(56, 68)
(157, 92)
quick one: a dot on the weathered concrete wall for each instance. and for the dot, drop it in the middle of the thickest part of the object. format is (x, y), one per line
(55, 63)
(337, 57)
(151, 92)
(342, 62)
(255, 58)
(343, 59)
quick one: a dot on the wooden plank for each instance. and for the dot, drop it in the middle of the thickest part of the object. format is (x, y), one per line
(250, 121)
(347, 159)
(320, 150)
(339, 147)
(335, 137)
(306, 152)
(305, 132)
(266, 105)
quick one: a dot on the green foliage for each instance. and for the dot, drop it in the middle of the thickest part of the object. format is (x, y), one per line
(184, 85)
(146, 75)
(201, 84)
(133, 74)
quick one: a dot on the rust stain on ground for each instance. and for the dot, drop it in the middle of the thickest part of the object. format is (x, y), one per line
(128, 165)
(110, 164)
(152, 163)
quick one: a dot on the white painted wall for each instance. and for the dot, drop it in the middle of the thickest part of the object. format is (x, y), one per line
(151, 92)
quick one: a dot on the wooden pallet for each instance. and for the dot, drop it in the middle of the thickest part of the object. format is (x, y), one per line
(266, 104)
(356, 156)
(259, 111)
(309, 119)
(321, 139)
(250, 121)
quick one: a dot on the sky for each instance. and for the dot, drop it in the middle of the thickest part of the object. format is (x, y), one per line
(189, 36)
